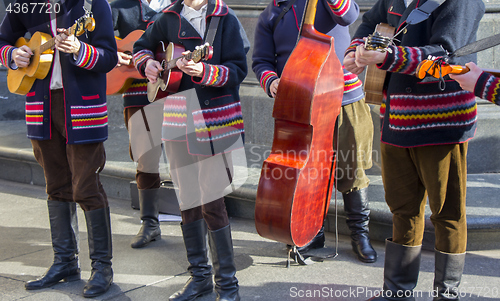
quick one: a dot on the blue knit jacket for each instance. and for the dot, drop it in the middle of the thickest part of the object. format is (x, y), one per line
(212, 119)
(84, 79)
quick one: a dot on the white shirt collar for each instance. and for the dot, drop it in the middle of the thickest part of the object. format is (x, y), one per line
(195, 17)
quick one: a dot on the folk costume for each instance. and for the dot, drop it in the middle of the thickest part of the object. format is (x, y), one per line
(424, 132)
(202, 125)
(67, 121)
(487, 87)
(130, 15)
(271, 51)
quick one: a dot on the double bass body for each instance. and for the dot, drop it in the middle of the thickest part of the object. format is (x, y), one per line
(296, 180)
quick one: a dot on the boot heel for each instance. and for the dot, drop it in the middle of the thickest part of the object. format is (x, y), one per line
(71, 278)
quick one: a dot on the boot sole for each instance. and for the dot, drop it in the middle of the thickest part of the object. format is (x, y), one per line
(98, 294)
(71, 278)
(158, 237)
(363, 259)
(367, 260)
(198, 295)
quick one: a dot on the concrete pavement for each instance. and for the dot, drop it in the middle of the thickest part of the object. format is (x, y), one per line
(155, 272)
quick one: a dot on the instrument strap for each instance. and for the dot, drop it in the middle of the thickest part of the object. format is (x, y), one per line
(87, 6)
(477, 46)
(282, 13)
(423, 12)
(212, 30)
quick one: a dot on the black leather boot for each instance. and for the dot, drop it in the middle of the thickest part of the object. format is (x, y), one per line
(221, 248)
(448, 274)
(200, 282)
(317, 242)
(100, 251)
(64, 233)
(357, 218)
(149, 202)
(401, 268)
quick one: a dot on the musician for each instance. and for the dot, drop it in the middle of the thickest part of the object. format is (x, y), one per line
(271, 51)
(130, 15)
(482, 84)
(425, 129)
(66, 117)
(195, 147)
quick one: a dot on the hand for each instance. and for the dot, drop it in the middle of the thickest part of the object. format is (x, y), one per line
(468, 80)
(67, 43)
(152, 71)
(189, 66)
(368, 57)
(124, 59)
(21, 56)
(273, 88)
(350, 64)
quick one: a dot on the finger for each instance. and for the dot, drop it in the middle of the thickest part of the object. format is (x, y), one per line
(158, 66)
(26, 49)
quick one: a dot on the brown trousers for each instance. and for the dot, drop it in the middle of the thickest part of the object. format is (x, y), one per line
(412, 174)
(201, 182)
(139, 128)
(71, 170)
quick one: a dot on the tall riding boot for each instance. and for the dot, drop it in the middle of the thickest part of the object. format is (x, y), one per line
(358, 216)
(448, 273)
(221, 248)
(64, 232)
(149, 202)
(401, 268)
(200, 283)
(100, 251)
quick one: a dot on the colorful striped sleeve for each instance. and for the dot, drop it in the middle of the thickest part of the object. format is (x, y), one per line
(488, 87)
(266, 78)
(402, 59)
(87, 57)
(339, 7)
(354, 43)
(6, 55)
(213, 75)
(140, 59)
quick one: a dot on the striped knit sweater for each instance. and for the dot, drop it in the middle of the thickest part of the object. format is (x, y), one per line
(488, 87)
(417, 112)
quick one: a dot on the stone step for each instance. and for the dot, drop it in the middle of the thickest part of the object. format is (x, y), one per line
(17, 164)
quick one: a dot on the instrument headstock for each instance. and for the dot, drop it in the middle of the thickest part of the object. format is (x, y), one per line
(83, 24)
(438, 68)
(203, 52)
(381, 38)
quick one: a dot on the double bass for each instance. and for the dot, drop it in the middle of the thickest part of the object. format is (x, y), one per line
(296, 180)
